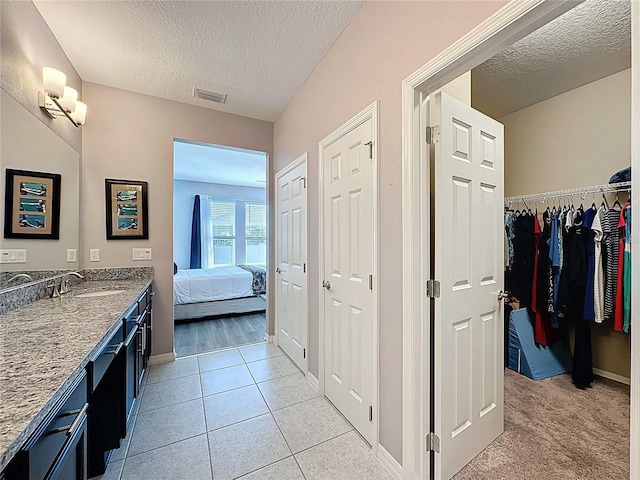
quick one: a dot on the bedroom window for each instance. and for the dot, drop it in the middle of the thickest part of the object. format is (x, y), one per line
(256, 233)
(223, 226)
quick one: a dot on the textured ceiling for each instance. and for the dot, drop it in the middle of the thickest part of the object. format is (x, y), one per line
(259, 53)
(589, 42)
(211, 164)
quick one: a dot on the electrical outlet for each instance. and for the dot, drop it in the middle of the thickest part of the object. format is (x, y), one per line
(71, 255)
(141, 254)
(94, 255)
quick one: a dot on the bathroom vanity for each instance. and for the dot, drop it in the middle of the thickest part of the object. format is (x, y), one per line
(71, 371)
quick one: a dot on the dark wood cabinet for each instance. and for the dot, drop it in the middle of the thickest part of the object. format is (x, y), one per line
(57, 449)
(105, 403)
(76, 438)
(118, 391)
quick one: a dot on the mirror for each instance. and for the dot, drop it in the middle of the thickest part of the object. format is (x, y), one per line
(28, 144)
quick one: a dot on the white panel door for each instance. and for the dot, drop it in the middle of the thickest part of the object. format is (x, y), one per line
(348, 263)
(468, 256)
(291, 271)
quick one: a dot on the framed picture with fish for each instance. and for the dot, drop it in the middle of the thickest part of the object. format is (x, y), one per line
(127, 208)
(32, 204)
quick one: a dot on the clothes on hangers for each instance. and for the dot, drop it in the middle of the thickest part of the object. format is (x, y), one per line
(574, 268)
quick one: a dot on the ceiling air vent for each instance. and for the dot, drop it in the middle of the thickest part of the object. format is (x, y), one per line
(209, 96)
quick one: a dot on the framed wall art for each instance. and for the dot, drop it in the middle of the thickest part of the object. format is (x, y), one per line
(127, 208)
(32, 204)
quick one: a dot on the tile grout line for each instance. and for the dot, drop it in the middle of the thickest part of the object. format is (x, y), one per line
(279, 429)
(206, 427)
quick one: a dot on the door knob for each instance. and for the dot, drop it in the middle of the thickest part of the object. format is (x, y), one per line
(502, 294)
(326, 285)
(278, 270)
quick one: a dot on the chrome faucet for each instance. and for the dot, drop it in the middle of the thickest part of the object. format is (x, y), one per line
(20, 275)
(65, 286)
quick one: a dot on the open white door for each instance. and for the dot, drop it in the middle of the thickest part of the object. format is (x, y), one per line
(291, 270)
(468, 376)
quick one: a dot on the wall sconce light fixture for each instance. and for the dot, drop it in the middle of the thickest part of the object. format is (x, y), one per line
(57, 99)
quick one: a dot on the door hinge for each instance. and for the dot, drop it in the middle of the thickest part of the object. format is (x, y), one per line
(433, 443)
(371, 413)
(370, 145)
(433, 288)
(433, 134)
(370, 282)
(304, 353)
(304, 268)
(304, 182)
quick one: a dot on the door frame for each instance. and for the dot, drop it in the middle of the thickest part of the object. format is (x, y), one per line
(508, 25)
(301, 160)
(369, 113)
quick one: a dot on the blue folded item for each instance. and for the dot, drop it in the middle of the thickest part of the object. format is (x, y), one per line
(623, 175)
(527, 358)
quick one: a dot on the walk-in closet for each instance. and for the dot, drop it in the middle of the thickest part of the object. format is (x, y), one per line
(563, 95)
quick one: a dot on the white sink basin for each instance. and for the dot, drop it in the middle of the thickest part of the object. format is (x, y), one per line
(99, 293)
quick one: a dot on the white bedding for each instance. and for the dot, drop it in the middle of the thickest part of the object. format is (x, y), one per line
(222, 283)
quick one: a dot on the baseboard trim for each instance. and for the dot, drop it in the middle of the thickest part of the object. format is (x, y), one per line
(390, 463)
(612, 376)
(162, 358)
(313, 381)
(271, 339)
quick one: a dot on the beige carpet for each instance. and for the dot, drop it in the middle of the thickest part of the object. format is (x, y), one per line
(553, 431)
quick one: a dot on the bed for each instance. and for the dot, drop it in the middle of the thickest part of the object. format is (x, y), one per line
(200, 293)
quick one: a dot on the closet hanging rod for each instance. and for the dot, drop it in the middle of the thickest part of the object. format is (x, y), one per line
(607, 188)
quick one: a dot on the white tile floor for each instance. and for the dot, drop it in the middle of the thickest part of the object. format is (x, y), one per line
(243, 413)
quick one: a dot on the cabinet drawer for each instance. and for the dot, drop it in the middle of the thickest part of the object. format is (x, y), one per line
(99, 365)
(72, 462)
(44, 446)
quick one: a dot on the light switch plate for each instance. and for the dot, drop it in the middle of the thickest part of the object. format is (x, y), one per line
(94, 255)
(72, 255)
(13, 255)
(141, 254)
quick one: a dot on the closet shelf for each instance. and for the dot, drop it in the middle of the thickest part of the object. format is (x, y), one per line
(582, 191)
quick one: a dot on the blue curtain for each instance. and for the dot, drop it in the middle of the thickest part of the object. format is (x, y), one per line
(196, 238)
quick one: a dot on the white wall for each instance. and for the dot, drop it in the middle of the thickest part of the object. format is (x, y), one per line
(576, 139)
(183, 194)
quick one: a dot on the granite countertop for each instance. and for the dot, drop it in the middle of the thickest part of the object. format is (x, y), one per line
(45, 345)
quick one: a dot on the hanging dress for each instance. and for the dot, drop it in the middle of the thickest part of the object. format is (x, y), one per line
(612, 252)
(543, 333)
(523, 257)
(588, 310)
(598, 279)
(626, 321)
(619, 309)
(582, 373)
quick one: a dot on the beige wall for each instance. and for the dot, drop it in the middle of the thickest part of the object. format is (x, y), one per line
(27, 45)
(383, 44)
(576, 139)
(130, 136)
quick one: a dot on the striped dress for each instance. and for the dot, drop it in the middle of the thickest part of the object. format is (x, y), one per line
(611, 242)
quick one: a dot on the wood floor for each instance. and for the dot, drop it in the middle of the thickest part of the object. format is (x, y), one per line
(222, 332)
